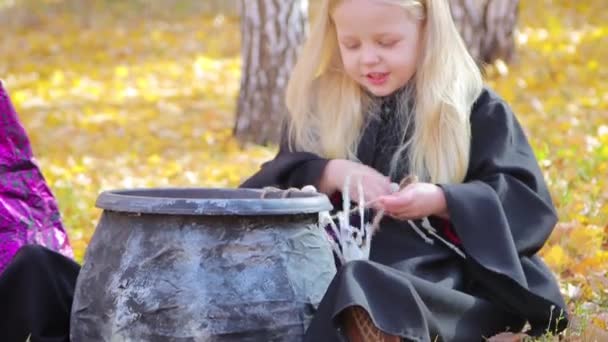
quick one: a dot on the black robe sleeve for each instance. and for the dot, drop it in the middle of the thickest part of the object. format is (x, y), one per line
(288, 169)
(503, 214)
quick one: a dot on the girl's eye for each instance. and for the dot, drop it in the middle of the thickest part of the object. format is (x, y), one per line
(387, 43)
(351, 46)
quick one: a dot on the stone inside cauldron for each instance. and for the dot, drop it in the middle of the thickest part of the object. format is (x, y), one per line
(202, 265)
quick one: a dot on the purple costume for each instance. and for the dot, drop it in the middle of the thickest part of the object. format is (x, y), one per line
(28, 211)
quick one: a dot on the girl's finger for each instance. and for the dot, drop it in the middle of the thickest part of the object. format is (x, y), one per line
(396, 203)
(400, 217)
(407, 216)
(374, 192)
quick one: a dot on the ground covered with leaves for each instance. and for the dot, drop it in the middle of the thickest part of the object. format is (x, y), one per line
(128, 97)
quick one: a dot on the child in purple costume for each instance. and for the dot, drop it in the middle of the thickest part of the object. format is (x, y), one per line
(28, 210)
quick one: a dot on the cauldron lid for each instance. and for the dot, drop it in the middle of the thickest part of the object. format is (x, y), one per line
(212, 201)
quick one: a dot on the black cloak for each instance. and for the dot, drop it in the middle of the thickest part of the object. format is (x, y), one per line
(502, 214)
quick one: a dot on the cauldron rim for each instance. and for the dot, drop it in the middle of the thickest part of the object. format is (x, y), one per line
(168, 201)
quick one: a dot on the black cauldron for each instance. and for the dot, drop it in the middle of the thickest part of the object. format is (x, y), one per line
(203, 265)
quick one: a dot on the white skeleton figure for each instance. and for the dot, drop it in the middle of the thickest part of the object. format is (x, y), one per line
(354, 242)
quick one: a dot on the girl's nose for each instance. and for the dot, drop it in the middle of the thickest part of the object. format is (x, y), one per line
(369, 56)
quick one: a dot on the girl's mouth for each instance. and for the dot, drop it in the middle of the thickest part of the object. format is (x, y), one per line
(377, 78)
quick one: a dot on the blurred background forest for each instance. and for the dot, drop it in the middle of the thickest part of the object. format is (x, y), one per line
(142, 93)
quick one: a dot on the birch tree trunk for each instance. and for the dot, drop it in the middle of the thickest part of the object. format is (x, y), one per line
(272, 31)
(487, 27)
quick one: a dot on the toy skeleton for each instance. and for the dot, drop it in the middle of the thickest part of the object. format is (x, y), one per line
(353, 243)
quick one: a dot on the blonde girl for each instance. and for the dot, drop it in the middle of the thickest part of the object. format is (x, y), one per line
(385, 89)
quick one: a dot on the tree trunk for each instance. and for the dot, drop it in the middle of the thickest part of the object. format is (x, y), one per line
(272, 31)
(487, 27)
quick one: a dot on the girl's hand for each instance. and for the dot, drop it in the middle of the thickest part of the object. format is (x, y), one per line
(373, 182)
(415, 201)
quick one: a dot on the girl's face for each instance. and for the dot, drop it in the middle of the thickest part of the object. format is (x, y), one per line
(378, 42)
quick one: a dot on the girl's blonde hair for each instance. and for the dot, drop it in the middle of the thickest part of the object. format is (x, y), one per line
(327, 109)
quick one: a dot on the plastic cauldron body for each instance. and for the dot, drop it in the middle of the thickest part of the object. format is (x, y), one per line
(202, 265)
